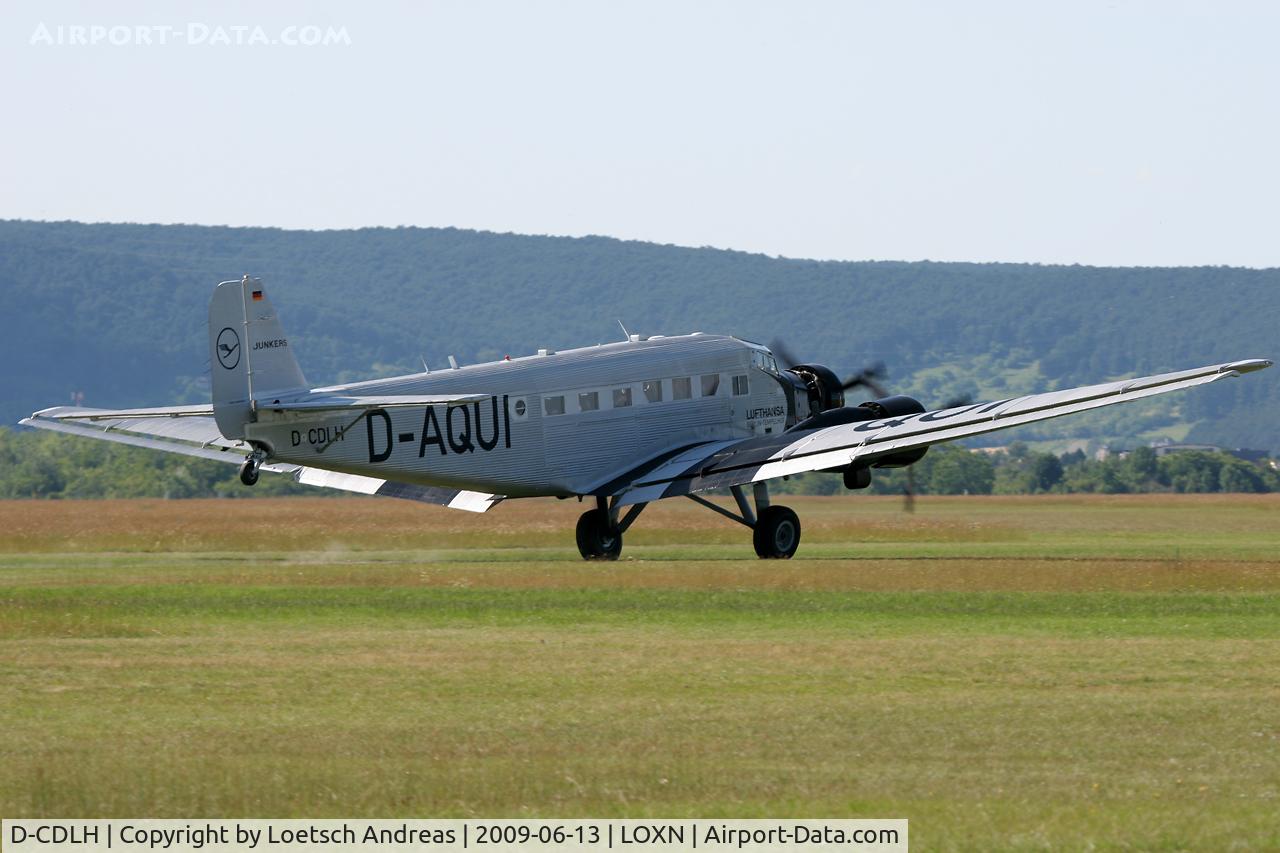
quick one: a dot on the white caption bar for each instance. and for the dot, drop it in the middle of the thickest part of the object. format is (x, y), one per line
(403, 836)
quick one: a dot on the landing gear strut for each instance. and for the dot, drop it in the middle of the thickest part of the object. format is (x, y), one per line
(775, 529)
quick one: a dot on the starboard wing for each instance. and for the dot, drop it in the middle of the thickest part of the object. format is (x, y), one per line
(720, 464)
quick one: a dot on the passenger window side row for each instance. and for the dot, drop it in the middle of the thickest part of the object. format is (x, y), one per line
(621, 398)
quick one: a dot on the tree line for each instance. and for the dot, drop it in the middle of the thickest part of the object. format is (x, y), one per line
(118, 312)
(949, 469)
(35, 464)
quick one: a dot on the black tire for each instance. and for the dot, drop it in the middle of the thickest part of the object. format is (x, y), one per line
(777, 533)
(857, 477)
(596, 539)
(248, 472)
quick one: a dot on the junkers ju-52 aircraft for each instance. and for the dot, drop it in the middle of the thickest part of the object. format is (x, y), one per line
(621, 424)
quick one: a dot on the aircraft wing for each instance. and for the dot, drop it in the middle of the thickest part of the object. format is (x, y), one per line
(722, 464)
(191, 431)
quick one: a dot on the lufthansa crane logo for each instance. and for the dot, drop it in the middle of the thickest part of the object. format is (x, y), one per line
(228, 348)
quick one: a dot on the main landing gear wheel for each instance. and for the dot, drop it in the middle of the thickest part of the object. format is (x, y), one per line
(249, 471)
(597, 539)
(777, 533)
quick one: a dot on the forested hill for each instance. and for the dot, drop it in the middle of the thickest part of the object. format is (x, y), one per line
(119, 311)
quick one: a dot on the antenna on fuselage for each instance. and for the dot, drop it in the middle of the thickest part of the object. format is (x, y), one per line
(626, 336)
(425, 367)
(453, 362)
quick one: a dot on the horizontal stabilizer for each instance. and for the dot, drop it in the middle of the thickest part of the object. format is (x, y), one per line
(326, 403)
(71, 413)
(181, 429)
(175, 430)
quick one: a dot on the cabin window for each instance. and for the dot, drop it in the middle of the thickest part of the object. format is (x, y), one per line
(681, 388)
(588, 401)
(621, 397)
(710, 384)
(653, 390)
(553, 405)
(740, 386)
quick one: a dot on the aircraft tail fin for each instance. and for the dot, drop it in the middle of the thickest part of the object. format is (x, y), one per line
(251, 360)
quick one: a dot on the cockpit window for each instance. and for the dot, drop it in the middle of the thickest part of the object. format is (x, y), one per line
(764, 361)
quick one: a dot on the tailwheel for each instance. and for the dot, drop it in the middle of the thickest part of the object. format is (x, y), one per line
(597, 538)
(777, 533)
(249, 470)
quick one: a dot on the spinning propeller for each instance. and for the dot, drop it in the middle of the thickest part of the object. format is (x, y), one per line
(831, 390)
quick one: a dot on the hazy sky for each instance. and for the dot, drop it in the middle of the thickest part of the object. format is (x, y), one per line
(1070, 132)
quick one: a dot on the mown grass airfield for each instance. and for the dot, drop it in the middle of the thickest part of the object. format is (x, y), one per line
(1019, 673)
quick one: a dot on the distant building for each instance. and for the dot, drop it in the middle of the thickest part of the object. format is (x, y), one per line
(1257, 457)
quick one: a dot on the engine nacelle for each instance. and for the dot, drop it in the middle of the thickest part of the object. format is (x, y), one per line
(826, 391)
(858, 477)
(893, 407)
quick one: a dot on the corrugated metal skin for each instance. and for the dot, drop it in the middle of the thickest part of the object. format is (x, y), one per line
(566, 454)
(604, 364)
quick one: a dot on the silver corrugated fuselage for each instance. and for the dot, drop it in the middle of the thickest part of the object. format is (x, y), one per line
(511, 444)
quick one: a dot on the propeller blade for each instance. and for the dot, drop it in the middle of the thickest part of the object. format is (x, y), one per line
(876, 388)
(869, 377)
(782, 354)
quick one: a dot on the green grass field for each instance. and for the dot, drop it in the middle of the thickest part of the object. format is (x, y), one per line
(1007, 673)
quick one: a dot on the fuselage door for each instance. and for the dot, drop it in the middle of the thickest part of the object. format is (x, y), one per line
(768, 405)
